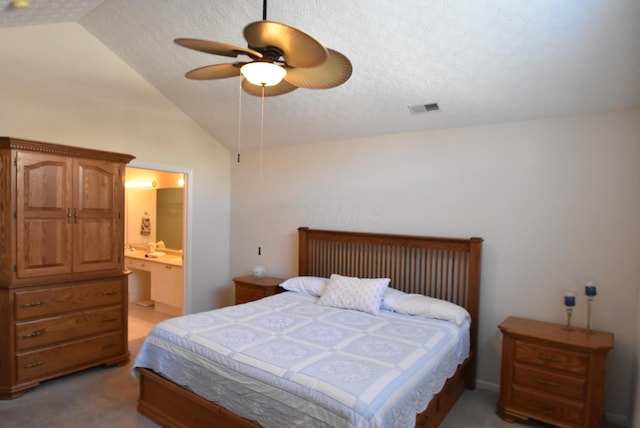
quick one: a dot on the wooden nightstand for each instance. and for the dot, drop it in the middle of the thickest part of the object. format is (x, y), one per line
(250, 288)
(551, 374)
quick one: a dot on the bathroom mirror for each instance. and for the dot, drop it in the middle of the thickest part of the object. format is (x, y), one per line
(170, 211)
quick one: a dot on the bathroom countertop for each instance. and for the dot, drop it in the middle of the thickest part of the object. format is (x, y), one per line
(170, 257)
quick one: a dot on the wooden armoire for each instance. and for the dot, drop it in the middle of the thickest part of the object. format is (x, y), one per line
(63, 290)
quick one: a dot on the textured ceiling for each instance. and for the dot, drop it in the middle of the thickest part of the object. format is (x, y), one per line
(482, 61)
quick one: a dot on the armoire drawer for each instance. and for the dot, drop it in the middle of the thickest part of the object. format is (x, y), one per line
(51, 362)
(65, 328)
(58, 300)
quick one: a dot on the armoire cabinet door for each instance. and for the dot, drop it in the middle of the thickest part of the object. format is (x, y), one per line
(97, 236)
(43, 214)
(68, 215)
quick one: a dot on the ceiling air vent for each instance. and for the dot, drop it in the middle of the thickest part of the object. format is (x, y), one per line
(423, 108)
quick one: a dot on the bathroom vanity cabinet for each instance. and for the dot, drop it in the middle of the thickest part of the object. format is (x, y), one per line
(63, 290)
(166, 280)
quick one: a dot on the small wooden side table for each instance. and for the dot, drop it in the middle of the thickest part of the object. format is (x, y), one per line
(250, 288)
(552, 374)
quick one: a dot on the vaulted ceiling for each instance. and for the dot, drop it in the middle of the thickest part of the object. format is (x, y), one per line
(481, 61)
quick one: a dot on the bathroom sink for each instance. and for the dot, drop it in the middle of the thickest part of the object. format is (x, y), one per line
(155, 254)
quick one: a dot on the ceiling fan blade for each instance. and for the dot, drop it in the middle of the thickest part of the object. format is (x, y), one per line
(217, 48)
(216, 71)
(333, 72)
(269, 91)
(298, 48)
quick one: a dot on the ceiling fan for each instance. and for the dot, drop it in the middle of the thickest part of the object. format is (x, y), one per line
(281, 59)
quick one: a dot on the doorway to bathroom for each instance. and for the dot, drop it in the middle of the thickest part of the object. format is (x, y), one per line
(156, 237)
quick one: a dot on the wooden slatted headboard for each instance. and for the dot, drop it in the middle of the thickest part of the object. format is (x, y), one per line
(445, 268)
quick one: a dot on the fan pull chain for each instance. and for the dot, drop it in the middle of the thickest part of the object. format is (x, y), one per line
(239, 117)
(260, 195)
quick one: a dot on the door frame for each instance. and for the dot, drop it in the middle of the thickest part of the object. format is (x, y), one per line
(186, 224)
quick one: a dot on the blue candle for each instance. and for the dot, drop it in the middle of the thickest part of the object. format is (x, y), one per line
(590, 290)
(569, 299)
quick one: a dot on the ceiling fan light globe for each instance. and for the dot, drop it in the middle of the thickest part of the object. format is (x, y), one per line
(263, 73)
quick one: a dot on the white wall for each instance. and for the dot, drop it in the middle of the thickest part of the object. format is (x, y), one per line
(60, 84)
(636, 397)
(556, 201)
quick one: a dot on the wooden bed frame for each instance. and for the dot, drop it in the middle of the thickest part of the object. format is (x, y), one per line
(446, 268)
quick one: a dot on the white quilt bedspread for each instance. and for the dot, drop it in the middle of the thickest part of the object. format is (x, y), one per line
(285, 361)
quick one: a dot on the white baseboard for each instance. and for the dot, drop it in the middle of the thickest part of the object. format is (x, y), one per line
(487, 386)
(616, 420)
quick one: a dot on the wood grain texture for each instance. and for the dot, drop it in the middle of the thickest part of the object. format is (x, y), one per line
(63, 293)
(552, 374)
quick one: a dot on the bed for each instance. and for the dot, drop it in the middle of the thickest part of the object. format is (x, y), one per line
(173, 386)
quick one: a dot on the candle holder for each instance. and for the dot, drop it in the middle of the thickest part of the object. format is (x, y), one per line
(569, 303)
(589, 291)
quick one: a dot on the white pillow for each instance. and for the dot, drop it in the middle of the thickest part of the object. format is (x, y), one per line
(311, 285)
(360, 294)
(424, 306)
(390, 298)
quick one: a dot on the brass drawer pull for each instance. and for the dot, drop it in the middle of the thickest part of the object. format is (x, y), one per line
(32, 304)
(32, 365)
(543, 406)
(546, 382)
(34, 334)
(110, 319)
(548, 359)
(109, 293)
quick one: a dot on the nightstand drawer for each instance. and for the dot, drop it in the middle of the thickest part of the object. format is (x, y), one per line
(569, 411)
(554, 358)
(249, 288)
(540, 379)
(246, 294)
